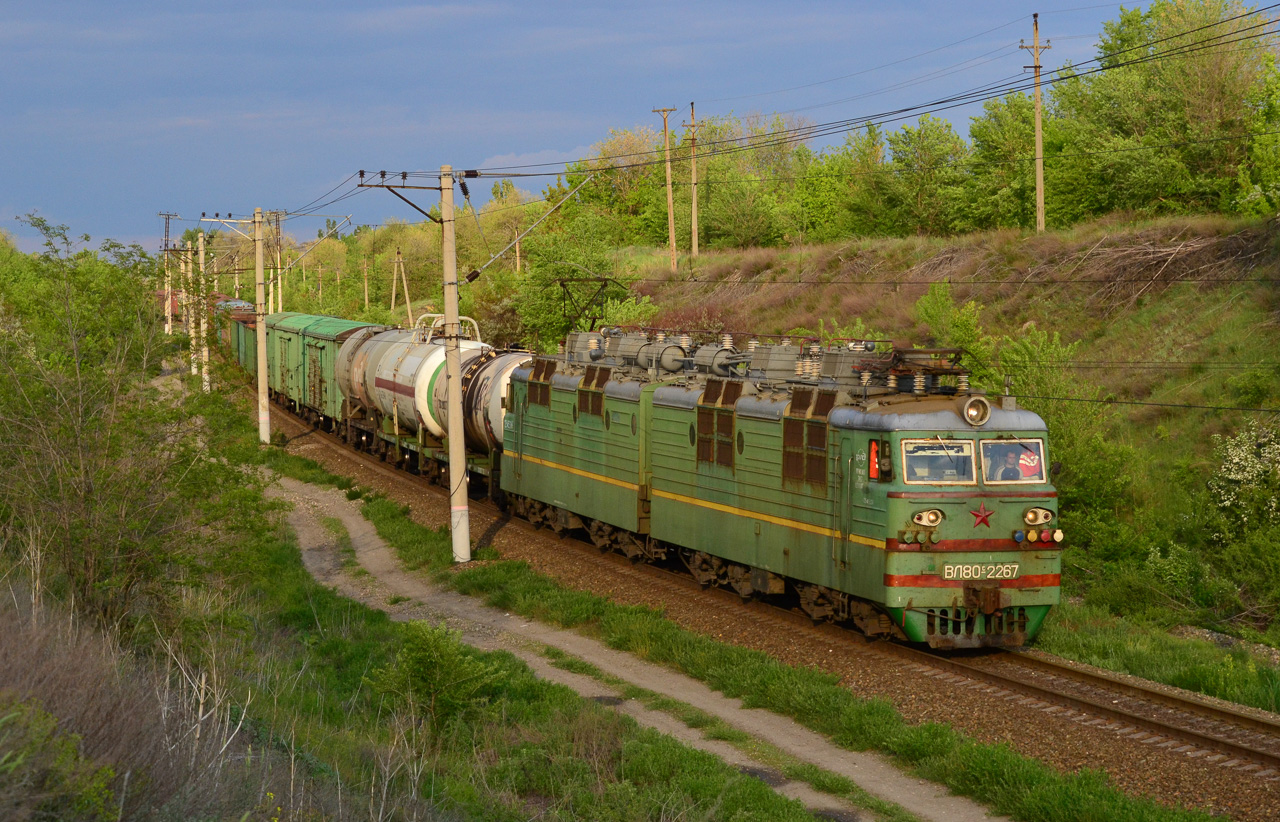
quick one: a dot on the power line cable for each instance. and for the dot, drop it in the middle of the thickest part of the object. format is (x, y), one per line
(1153, 404)
(868, 70)
(976, 95)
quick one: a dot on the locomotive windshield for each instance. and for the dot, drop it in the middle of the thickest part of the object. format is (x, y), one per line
(937, 462)
(1012, 461)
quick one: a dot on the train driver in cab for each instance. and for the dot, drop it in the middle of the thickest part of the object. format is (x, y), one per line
(1006, 471)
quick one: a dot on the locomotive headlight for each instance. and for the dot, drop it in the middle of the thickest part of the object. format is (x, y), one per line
(1037, 516)
(928, 518)
(977, 411)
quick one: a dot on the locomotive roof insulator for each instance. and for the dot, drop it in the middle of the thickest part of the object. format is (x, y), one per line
(962, 383)
(919, 384)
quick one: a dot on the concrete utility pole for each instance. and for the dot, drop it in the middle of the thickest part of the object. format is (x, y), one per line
(671, 212)
(182, 285)
(404, 279)
(204, 319)
(260, 327)
(168, 281)
(192, 311)
(271, 293)
(279, 270)
(1035, 50)
(168, 297)
(365, 265)
(395, 272)
(459, 515)
(693, 179)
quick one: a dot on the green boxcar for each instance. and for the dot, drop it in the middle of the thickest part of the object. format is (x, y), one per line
(244, 345)
(301, 359)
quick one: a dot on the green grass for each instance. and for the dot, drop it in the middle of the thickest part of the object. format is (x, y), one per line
(713, 727)
(1094, 636)
(345, 549)
(996, 775)
(310, 657)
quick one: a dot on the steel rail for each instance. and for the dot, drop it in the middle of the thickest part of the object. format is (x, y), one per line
(1099, 709)
(1190, 703)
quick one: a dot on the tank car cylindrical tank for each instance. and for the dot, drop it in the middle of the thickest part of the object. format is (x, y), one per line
(485, 387)
(346, 367)
(401, 374)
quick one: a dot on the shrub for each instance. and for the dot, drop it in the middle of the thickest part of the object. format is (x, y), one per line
(436, 676)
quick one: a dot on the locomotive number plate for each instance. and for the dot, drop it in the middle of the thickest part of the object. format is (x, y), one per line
(989, 570)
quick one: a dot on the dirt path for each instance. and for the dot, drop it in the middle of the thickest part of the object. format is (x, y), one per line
(490, 629)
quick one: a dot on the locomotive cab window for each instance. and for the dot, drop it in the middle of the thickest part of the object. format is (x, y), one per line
(938, 461)
(1007, 462)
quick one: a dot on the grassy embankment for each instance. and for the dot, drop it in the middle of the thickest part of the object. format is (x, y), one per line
(285, 700)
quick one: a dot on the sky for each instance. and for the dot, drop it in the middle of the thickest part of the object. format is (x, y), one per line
(114, 112)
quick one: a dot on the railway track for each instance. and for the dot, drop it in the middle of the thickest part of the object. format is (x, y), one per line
(1164, 718)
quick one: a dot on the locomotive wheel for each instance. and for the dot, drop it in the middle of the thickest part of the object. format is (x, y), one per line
(601, 534)
(740, 581)
(632, 547)
(706, 569)
(815, 603)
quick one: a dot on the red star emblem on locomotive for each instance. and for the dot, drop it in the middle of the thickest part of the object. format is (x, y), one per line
(982, 516)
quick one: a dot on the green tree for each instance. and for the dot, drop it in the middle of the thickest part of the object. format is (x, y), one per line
(1147, 134)
(924, 189)
(436, 676)
(960, 327)
(97, 474)
(566, 267)
(1001, 181)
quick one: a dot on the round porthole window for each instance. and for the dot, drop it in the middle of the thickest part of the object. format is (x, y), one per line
(693, 435)
(742, 442)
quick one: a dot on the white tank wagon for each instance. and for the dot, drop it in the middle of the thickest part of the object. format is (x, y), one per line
(397, 391)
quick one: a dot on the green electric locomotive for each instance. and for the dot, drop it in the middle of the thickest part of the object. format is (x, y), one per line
(867, 483)
(871, 484)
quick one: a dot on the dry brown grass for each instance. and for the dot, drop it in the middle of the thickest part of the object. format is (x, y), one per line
(1107, 265)
(168, 730)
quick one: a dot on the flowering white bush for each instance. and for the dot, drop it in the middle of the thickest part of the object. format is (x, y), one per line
(1246, 487)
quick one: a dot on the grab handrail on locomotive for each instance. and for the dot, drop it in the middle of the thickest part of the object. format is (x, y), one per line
(868, 481)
